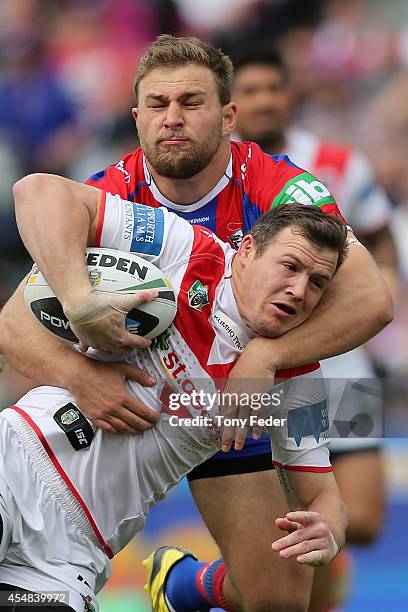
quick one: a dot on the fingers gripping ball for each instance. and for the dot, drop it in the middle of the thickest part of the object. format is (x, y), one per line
(112, 273)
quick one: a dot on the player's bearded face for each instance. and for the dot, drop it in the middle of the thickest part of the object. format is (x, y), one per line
(187, 159)
(179, 119)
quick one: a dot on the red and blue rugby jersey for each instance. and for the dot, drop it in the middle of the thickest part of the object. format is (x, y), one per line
(252, 183)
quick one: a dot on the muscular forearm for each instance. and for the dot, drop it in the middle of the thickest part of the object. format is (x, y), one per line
(333, 511)
(316, 492)
(31, 350)
(54, 216)
(357, 306)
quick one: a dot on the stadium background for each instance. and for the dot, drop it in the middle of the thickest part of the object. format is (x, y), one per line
(66, 69)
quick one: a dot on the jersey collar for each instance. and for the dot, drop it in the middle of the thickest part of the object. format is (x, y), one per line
(231, 307)
(223, 182)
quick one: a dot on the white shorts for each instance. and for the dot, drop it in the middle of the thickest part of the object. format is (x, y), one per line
(40, 549)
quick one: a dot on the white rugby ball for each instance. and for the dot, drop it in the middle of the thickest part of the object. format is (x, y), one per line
(109, 271)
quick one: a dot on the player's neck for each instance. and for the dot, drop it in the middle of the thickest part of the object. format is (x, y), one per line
(240, 299)
(188, 191)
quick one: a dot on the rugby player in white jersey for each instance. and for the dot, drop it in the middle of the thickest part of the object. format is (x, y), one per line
(181, 100)
(93, 492)
(262, 92)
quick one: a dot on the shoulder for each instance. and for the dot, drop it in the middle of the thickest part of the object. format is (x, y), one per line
(122, 176)
(257, 169)
(269, 180)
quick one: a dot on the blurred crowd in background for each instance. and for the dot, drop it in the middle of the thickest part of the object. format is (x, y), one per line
(66, 71)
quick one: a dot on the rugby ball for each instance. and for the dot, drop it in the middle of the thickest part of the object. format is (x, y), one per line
(109, 271)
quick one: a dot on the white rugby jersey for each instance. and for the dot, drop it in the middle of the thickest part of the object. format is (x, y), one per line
(349, 176)
(107, 483)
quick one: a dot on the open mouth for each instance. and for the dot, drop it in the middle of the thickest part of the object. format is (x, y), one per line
(286, 308)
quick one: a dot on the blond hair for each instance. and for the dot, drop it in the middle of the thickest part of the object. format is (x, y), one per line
(168, 51)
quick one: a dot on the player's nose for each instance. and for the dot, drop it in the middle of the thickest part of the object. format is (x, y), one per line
(174, 116)
(298, 286)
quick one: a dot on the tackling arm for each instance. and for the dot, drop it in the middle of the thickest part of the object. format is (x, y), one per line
(356, 306)
(98, 387)
(382, 247)
(30, 349)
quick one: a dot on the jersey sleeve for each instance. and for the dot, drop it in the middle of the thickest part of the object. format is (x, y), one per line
(300, 438)
(369, 208)
(114, 178)
(306, 189)
(155, 234)
(277, 180)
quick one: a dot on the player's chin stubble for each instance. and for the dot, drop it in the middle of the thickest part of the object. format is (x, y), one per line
(183, 163)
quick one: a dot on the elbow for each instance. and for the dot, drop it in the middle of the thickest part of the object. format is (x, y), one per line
(28, 192)
(27, 185)
(385, 308)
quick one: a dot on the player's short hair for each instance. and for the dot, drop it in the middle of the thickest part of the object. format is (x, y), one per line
(168, 51)
(308, 221)
(263, 54)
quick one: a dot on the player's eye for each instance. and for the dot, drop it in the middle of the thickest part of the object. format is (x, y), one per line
(290, 266)
(317, 282)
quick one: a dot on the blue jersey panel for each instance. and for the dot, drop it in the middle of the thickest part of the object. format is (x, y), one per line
(203, 216)
(250, 213)
(148, 230)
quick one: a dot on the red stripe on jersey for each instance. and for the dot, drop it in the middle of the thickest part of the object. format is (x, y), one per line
(304, 468)
(332, 210)
(292, 372)
(145, 196)
(207, 264)
(65, 478)
(263, 176)
(100, 219)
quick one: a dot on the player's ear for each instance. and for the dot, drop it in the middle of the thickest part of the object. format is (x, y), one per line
(229, 118)
(247, 249)
(135, 113)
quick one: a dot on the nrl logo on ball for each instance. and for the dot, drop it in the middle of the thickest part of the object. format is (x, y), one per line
(95, 277)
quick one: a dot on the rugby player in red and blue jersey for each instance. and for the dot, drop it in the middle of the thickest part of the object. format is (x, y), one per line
(187, 163)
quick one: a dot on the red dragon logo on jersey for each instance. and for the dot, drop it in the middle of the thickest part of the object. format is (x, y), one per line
(235, 234)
